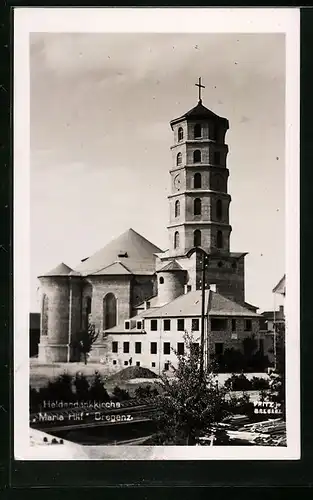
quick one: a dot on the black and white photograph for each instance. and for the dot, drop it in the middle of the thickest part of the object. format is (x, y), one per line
(156, 196)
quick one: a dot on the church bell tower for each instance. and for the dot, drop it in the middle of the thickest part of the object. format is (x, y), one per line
(199, 201)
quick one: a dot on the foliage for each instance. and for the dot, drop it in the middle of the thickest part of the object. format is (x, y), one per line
(81, 385)
(97, 390)
(146, 392)
(120, 394)
(188, 405)
(250, 360)
(85, 340)
(242, 383)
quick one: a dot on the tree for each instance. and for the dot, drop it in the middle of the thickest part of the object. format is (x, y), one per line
(188, 405)
(86, 339)
(97, 390)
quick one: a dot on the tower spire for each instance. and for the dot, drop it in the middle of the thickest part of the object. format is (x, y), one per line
(200, 87)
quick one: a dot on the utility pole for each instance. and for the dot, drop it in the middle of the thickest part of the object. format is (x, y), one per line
(204, 255)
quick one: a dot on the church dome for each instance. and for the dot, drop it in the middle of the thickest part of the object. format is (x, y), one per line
(200, 112)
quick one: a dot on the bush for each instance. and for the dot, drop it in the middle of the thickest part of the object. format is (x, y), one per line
(145, 392)
(238, 383)
(97, 390)
(120, 394)
(259, 384)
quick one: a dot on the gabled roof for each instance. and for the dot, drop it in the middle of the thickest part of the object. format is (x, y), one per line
(199, 112)
(61, 270)
(171, 266)
(221, 306)
(140, 257)
(281, 286)
(117, 268)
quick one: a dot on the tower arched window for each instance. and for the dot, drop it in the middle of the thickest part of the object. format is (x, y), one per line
(161, 280)
(197, 206)
(177, 208)
(219, 239)
(109, 311)
(87, 311)
(179, 159)
(176, 240)
(219, 209)
(197, 238)
(197, 181)
(180, 134)
(197, 156)
(197, 131)
(44, 321)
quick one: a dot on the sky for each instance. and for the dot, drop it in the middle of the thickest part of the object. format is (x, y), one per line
(100, 107)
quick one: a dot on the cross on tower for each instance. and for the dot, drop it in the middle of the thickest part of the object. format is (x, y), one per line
(200, 87)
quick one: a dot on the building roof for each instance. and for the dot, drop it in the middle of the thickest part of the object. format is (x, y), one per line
(281, 286)
(171, 266)
(61, 270)
(199, 112)
(130, 250)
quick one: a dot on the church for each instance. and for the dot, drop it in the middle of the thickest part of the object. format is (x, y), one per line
(142, 299)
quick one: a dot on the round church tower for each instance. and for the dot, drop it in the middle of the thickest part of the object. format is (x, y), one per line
(171, 282)
(54, 327)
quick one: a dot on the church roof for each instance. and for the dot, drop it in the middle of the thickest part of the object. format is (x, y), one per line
(189, 304)
(61, 270)
(113, 269)
(281, 286)
(130, 250)
(199, 112)
(171, 266)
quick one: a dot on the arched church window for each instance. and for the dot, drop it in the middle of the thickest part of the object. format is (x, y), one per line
(176, 240)
(179, 159)
(217, 158)
(197, 181)
(213, 132)
(219, 209)
(197, 238)
(177, 208)
(197, 131)
(180, 134)
(161, 280)
(44, 323)
(197, 156)
(87, 311)
(109, 311)
(197, 206)
(219, 239)
(217, 183)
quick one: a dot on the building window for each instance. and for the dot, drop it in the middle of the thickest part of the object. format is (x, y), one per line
(166, 325)
(180, 348)
(217, 182)
(248, 325)
(179, 159)
(139, 325)
(166, 366)
(126, 347)
(161, 280)
(197, 131)
(166, 348)
(181, 325)
(44, 324)
(153, 348)
(217, 157)
(138, 347)
(125, 363)
(219, 239)
(127, 325)
(154, 325)
(219, 348)
(197, 238)
(114, 361)
(219, 209)
(213, 132)
(218, 324)
(177, 208)
(197, 156)
(195, 349)
(261, 346)
(153, 364)
(233, 325)
(137, 363)
(87, 311)
(220, 264)
(180, 134)
(176, 240)
(197, 181)
(114, 346)
(234, 265)
(109, 311)
(197, 206)
(195, 325)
